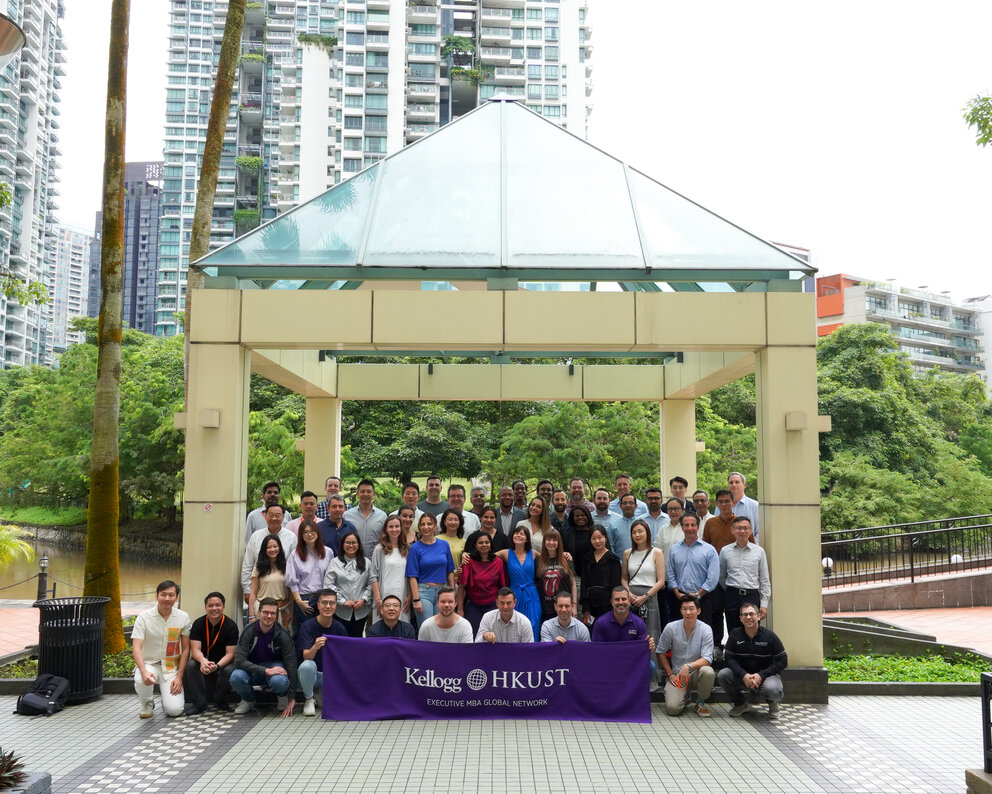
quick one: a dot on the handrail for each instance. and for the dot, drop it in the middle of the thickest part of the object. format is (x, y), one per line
(909, 524)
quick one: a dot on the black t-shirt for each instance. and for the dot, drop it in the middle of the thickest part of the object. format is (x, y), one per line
(220, 637)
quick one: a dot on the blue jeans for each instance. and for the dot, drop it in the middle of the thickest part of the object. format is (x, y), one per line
(428, 600)
(310, 678)
(242, 682)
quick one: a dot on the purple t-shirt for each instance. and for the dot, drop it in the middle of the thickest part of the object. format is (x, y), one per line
(264, 650)
(606, 629)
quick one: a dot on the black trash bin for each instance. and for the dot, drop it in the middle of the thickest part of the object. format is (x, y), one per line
(70, 643)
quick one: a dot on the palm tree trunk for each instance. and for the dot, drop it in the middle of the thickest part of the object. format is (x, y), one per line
(199, 245)
(102, 567)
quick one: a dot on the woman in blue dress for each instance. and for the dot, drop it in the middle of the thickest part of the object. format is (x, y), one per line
(519, 561)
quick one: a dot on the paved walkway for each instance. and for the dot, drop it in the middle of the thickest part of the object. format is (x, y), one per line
(20, 622)
(970, 627)
(855, 744)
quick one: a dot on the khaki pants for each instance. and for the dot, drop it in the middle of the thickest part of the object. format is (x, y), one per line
(700, 680)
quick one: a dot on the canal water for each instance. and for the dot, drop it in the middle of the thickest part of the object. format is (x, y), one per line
(65, 571)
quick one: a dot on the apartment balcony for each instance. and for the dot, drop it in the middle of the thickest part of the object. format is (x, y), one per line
(249, 150)
(495, 54)
(377, 5)
(7, 137)
(416, 131)
(494, 35)
(510, 75)
(497, 15)
(377, 42)
(918, 320)
(421, 90)
(225, 188)
(421, 14)
(375, 21)
(506, 3)
(421, 112)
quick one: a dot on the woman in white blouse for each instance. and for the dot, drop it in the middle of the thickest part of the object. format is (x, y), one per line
(388, 568)
(348, 575)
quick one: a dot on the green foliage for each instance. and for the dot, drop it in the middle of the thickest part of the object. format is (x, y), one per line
(978, 114)
(246, 217)
(735, 403)
(906, 668)
(976, 440)
(23, 292)
(252, 164)
(728, 447)
(457, 45)
(854, 494)
(12, 771)
(46, 516)
(115, 665)
(251, 57)
(473, 76)
(272, 453)
(326, 43)
(13, 546)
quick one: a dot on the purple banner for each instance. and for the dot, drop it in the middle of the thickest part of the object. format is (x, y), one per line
(377, 679)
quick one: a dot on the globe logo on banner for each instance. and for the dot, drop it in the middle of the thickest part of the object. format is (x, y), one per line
(476, 679)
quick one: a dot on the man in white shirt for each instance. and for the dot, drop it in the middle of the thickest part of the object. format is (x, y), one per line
(256, 518)
(505, 624)
(744, 505)
(273, 517)
(456, 501)
(367, 519)
(445, 626)
(160, 647)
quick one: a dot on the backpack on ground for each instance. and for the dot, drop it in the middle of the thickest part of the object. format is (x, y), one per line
(48, 695)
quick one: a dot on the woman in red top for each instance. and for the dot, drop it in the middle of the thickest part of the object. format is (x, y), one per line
(481, 577)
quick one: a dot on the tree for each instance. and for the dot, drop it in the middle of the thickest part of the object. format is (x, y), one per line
(978, 114)
(11, 285)
(102, 576)
(213, 146)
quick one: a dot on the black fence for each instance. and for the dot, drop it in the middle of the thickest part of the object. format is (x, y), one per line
(906, 551)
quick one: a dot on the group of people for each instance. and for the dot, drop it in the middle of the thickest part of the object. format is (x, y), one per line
(554, 568)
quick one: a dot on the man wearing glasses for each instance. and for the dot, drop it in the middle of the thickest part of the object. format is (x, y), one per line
(755, 659)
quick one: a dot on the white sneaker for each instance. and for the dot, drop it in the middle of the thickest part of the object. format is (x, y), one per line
(653, 686)
(147, 709)
(244, 707)
(739, 709)
(309, 708)
(281, 702)
(773, 709)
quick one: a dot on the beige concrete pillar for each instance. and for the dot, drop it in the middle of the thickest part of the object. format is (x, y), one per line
(322, 446)
(678, 441)
(789, 493)
(216, 473)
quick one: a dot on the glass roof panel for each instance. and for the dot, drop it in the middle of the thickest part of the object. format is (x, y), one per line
(439, 203)
(679, 234)
(567, 202)
(327, 230)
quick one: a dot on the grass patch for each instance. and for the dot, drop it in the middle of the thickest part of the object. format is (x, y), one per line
(967, 668)
(46, 516)
(115, 665)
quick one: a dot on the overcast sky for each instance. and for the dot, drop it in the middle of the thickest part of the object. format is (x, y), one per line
(832, 126)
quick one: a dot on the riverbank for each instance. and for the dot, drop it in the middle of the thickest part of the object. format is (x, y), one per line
(140, 539)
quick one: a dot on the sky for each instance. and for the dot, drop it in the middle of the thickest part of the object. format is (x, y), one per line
(831, 126)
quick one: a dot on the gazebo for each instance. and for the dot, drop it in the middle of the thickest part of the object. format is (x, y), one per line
(504, 237)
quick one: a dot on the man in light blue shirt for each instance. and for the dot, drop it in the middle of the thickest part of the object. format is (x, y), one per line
(744, 505)
(622, 483)
(565, 627)
(691, 642)
(602, 516)
(367, 519)
(620, 539)
(693, 566)
(655, 516)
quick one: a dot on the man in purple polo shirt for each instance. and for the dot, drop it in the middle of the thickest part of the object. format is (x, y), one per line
(620, 626)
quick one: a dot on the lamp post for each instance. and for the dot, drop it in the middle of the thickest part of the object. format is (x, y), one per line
(43, 577)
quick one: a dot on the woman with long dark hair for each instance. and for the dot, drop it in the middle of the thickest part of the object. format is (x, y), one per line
(519, 559)
(553, 574)
(482, 575)
(643, 574)
(305, 570)
(537, 522)
(348, 576)
(451, 529)
(602, 571)
(268, 580)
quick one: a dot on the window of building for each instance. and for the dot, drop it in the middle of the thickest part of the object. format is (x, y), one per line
(534, 71)
(352, 122)
(377, 101)
(551, 53)
(353, 100)
(351, 165)
(550, 72)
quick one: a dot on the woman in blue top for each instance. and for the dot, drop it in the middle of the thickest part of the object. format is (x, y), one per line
(429, 565)
(519, 561)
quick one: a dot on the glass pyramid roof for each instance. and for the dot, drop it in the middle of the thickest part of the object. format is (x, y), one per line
(501, 192)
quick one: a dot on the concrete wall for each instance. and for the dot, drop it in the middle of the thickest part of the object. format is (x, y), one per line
(963, 590)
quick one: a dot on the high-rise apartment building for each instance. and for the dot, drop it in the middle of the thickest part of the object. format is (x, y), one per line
(29, 123)
(67, 279)
(932, 329)
(142, 217)
(326, 88)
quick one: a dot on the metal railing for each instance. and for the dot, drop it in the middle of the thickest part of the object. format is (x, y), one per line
(906, 551)
(987, 720)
